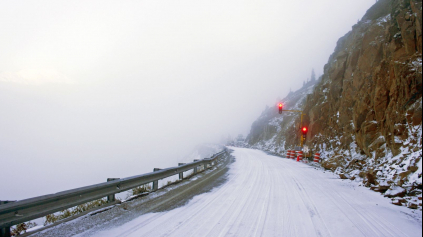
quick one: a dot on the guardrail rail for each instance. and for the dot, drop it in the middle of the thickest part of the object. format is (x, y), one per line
(16, 212)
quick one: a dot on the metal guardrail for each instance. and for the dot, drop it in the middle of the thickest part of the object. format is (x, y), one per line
(14, 213)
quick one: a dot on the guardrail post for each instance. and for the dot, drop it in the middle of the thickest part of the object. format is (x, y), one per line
(156, 183)
(5, 231)
(181, 175)
(111, 197)
(195, 168)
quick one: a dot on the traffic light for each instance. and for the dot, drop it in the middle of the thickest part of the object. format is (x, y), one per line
(304, 130)
(280, 105)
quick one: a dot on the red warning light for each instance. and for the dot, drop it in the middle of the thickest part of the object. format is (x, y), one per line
(280, 108)
(304, 130)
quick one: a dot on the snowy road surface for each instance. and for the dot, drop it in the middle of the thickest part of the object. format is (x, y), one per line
(271, 196)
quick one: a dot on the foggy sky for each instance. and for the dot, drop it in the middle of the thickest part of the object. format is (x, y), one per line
(91, 90)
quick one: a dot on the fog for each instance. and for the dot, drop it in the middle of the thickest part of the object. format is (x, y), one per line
(91, 90)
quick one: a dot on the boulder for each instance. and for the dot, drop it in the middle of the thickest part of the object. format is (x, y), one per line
(398, 202)
(370, 179)
(412, 205)
(344, 176)
(380, 188)
(395, 191)
(404, 175)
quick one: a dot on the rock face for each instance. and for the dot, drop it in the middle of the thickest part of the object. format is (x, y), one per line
(372, 81)
(365, 113)
(365, 116)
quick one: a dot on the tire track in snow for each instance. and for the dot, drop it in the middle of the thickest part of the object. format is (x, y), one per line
(367, 224)
(159, 215)
(288, 220)
(255, 207)
(198, 205)
(246, 196)
(370, 218)
(314, 212)
(266, 206)
(203, 208)
(227, 210)
(199, 229)
(302, 216)
(381, 229)
(312, 209)
(335, 202)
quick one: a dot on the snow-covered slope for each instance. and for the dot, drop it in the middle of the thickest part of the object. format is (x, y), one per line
(275, 132)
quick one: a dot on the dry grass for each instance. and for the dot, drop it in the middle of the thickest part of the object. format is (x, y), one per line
(22, 228)
(141, 189)
(52, 218)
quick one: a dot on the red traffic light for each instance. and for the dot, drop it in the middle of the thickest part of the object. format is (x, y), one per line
(304, 130)
(280, 105)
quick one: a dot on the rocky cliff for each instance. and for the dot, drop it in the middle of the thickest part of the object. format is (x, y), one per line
(365, 113)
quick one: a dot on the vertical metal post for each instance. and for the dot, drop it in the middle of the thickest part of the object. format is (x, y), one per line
(111, 197)
(301, 125)
(156, 183)
(181, 175)
(195, 168)
(5, 231)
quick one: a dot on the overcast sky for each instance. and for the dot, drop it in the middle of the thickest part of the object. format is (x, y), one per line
(98, 89)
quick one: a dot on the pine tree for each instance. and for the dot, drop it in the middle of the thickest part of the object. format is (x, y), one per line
(313, 75)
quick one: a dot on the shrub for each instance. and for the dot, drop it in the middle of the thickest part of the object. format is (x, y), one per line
(141, 189)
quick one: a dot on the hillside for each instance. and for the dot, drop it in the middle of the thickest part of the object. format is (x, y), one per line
(365, 113)
(274, 132)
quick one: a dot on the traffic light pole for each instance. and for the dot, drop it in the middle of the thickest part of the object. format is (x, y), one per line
(301, 123)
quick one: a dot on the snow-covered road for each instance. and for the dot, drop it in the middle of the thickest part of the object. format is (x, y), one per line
(271, 196)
